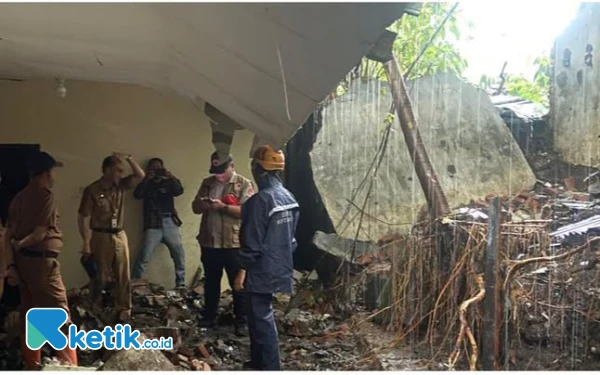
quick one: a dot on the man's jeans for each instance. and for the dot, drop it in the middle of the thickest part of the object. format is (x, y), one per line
(169, 235)
(214, 261)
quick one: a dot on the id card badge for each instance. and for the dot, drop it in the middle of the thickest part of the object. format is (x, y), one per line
(113, 223)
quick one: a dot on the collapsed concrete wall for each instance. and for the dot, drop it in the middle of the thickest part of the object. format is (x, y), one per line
(470, 147)
(298, 178)
(575, 90)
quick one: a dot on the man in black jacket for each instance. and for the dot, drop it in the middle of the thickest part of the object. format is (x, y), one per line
(269, 221)
(161, 222)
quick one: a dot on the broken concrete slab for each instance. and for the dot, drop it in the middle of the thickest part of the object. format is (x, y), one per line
(342, 248)
(138, 360)
(300, 323)
(67, 368)
(472, 151)
(340, 255)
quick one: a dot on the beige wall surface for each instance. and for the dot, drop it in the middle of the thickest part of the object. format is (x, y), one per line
(96, 119)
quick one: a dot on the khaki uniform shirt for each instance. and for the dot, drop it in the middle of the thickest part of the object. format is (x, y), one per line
(35, 207)
(217, 230)
(104, 204)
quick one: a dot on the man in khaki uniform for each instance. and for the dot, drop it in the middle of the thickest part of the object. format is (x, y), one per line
(104, 237)
(219, 201)
(32, 242)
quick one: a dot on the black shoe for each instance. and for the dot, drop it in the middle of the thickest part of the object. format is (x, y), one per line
(206, 323)
(241, 330)
(250, 366)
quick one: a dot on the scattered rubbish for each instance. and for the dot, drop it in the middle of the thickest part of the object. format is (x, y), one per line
(138, 360)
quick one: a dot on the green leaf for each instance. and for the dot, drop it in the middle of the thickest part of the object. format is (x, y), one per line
(414, 33)
(454, 29)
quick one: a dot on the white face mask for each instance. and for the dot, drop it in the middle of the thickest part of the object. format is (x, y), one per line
(221, 177)
(225, 176)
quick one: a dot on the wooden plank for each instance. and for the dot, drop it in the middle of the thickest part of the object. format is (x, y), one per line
(490, 340)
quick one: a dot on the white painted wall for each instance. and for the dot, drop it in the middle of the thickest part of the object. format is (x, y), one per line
(98, 118)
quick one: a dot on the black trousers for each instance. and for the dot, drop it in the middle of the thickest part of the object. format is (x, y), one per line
(214, 262)
(264, 341)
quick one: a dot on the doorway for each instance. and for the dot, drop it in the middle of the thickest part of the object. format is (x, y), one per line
(13, 170)
(14, 174)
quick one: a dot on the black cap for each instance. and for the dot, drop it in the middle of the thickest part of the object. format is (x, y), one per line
(41, 162)
(219, 165)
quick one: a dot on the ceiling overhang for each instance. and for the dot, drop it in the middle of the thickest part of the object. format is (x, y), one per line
(266, 66)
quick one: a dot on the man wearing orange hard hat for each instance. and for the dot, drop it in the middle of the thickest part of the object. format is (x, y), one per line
(269, 220)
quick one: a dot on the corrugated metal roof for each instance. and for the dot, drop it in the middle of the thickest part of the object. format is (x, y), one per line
(509, 105)
(580, 227)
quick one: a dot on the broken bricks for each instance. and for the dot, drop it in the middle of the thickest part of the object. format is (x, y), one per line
(198, 365)
(302, 323)
(202, 351)
(154, 301)
(190, 364)
(195, 349)
(140, 289)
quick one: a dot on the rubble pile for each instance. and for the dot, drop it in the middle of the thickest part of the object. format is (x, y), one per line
(309, 339)
(552, 310)
(9, 341)
(557, 315)
(547, 203)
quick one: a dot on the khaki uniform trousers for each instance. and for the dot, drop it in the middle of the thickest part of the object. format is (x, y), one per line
(111, 253)
(41, 285)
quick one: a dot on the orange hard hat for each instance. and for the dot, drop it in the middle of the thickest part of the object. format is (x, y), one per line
(269, 159)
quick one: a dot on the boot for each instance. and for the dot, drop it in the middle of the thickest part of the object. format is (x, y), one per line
(250, 366)
(32, 359)
(67, 356)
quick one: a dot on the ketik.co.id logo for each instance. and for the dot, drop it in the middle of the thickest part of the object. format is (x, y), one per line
(43, 326)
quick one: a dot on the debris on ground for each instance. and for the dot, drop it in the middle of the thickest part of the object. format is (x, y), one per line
(548, 253)
(138, 360)
(309, 338)
(393, 295)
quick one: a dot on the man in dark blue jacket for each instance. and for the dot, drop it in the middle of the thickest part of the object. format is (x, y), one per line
(269, 220)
